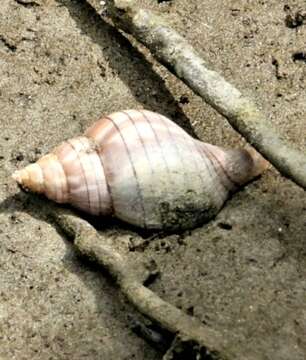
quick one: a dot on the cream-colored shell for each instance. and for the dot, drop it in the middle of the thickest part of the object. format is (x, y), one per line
(144, 169)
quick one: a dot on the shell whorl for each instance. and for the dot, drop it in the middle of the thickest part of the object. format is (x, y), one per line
(144, 169)
(86, 182)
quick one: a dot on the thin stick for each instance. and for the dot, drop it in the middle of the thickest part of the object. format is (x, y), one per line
(96, 248)
(172, 50)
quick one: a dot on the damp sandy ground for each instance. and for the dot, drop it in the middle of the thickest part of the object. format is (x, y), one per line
(243, 274)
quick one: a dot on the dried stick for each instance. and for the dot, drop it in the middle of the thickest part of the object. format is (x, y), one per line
(98, 249)
(172, 50)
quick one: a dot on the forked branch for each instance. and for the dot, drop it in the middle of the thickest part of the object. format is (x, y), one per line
(98, 249)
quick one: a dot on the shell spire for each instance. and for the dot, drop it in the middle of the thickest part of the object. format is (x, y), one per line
(142, 168)
(46, 176)
(30, 178)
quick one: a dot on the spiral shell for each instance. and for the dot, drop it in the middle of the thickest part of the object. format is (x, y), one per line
(144, 169)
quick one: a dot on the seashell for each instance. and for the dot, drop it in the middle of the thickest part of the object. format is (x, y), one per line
(142, 168)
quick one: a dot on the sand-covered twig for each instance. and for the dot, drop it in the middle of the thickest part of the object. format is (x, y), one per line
(97, 249)
(172, 50)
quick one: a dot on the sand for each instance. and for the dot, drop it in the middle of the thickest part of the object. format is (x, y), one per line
(243, 274)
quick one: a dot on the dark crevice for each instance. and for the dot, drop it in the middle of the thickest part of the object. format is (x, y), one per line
(27, 3)
(9, 45)
(299, 56)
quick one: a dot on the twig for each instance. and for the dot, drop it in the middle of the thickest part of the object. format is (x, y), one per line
(97, 249)
(172, 50)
